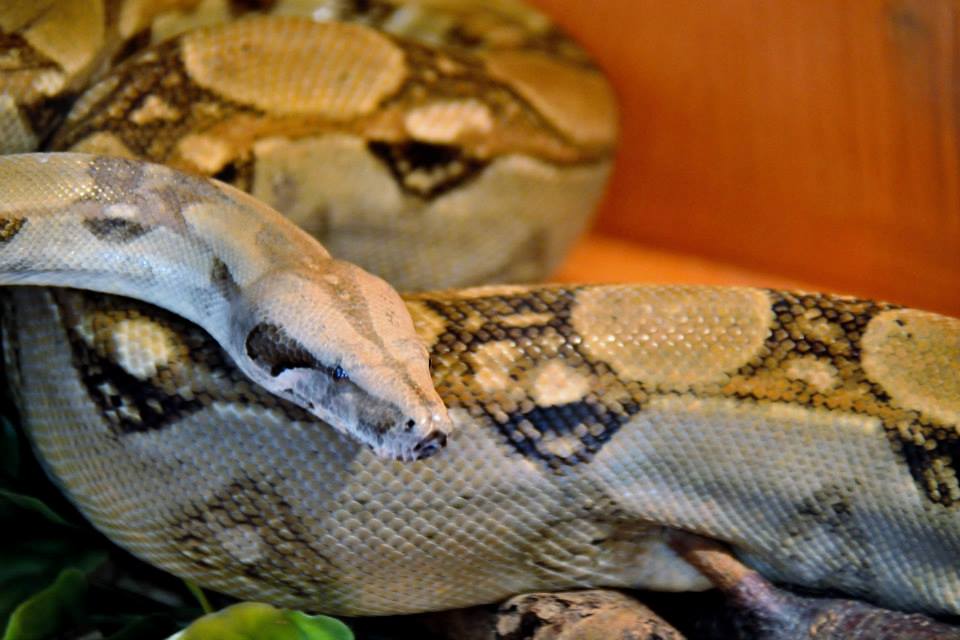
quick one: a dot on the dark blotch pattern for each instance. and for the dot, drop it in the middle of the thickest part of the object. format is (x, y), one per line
(831, 509)
(558, 436)
(117, 230)
(811, 327)
(830, 329)
(42, 111)
(585, 425)
(10, 227)
(131, 404)
(935, 465)
(222, 279)
(427, 170)
(249, 528)
(157, 72)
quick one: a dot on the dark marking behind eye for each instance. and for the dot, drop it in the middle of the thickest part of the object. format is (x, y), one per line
(117, 230)
(270, 346)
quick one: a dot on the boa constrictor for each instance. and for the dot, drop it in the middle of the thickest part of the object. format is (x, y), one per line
(816, 434)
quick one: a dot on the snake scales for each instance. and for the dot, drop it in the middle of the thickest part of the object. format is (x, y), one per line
(816, 434)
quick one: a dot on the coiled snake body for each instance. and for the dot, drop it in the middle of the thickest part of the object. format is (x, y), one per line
(815, 434)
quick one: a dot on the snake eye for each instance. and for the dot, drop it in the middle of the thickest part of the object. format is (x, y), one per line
(339, 374)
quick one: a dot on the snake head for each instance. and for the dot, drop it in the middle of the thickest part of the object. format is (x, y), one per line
(340, 343)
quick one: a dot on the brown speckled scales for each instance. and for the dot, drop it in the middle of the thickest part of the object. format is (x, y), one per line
(815, 434)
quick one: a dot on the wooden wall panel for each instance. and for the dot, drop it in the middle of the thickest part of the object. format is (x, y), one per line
(816, 139)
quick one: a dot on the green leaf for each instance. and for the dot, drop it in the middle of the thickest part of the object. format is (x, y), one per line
(320, 627)
(21, 579)
(11, 503)
(50, 610)
(258, 621)
(198, 593)
(45, 545)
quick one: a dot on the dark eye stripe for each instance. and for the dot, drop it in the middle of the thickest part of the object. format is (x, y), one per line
(270, 346)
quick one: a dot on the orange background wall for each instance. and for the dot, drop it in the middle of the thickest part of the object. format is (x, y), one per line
(818, 140)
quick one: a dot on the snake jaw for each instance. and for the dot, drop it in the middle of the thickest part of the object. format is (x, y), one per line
(402, 415)
(393, 430)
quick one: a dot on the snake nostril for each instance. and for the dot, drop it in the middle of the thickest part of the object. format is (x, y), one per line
(430, 445)
(410, 424)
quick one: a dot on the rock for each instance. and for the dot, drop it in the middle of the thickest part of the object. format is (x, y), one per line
(573, 615)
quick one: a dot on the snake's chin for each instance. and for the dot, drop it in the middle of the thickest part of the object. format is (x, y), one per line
(426, 448)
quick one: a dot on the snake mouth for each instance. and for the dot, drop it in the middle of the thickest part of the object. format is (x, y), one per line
(397, 444)
(430, 445)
